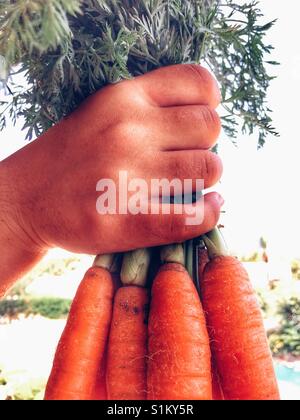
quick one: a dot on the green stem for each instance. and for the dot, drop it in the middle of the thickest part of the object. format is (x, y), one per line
(106, 261)
(172, 254)
(215, 244)
(135, 267)
(199, 244)
(117, 263)
(190, 258)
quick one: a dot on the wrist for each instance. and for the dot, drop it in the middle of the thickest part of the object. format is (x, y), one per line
(19, 248)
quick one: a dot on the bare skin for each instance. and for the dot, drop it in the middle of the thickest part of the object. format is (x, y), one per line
(160, 125)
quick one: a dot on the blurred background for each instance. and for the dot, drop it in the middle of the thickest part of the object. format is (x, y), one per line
(261, 225)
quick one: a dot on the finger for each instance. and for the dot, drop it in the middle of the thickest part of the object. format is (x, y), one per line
(194, 220)
(186, 165)
(187, 127)
(184, 84)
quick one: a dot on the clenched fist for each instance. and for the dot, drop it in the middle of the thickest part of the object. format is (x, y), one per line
(157, 126)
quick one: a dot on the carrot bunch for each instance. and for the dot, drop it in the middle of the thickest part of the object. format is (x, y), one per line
(184, 348)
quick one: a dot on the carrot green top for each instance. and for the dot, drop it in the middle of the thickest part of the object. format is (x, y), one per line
(172, 254)
(135, 267)
(215, 244)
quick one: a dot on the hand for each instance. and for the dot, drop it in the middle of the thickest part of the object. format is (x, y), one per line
(159, 125)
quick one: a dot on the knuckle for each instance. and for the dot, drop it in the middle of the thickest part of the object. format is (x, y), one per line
(125, 132)
(133, 92)
(211, 127)
(118, 131)
(132, 126)
(206, 167)
(198, 70)
(124, 96)
(121, 89)
(212, 122)
(209, 166)
(208, 82)
(214, 167)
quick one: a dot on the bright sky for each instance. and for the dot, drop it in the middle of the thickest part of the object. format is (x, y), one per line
(261, 188)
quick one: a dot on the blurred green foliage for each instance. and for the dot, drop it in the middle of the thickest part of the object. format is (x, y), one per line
(295, 267)
(18, 301)
(263, 303)
(52, 308)
(23, 388)
(11, 308)
(254, 257)
(286, 339)
(53, 268)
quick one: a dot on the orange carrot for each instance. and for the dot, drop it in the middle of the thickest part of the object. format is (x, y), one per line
(127, 347)
(238, 339)
(82, 346)
(100, 391)
(179, 366)
(203, 259)
(217, 391)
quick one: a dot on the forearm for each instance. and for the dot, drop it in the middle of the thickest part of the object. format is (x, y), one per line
(18, 252)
